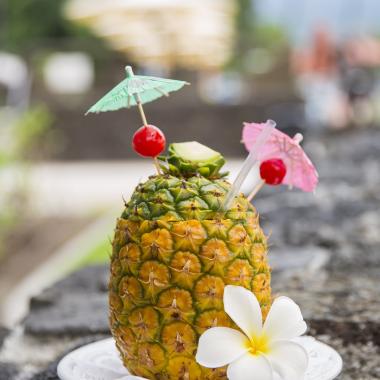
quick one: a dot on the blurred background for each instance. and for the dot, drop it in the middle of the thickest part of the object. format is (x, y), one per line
(312, 66)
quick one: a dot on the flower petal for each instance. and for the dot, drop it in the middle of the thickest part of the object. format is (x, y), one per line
(219, 346)
(289, 359)
(250, 367)
(244, 309)
(294, 330)
(284, 320)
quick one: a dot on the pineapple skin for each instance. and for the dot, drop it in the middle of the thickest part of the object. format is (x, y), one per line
(173, 253)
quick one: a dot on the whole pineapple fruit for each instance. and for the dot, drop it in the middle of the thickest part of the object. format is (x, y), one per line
(174, 250)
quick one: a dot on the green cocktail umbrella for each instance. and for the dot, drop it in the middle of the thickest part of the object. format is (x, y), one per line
(136, 90)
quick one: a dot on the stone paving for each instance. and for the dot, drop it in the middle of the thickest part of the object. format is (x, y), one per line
(325, 254)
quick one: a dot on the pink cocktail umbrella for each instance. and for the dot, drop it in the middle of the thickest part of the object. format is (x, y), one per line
(300, 172)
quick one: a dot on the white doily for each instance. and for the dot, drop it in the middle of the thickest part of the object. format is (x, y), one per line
(100, 361)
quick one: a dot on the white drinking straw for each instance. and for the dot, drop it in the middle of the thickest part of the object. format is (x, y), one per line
(249, 162)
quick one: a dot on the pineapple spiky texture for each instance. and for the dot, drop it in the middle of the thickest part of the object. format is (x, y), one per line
(174, 251)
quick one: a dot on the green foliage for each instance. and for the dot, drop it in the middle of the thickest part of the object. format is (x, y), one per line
(22, 138)
(251, 34)
(269, 36)
(28, 21)
(27, 24)
(99, 254)
(24, 135)
(33, 125)
(245, 24)
(12, 208)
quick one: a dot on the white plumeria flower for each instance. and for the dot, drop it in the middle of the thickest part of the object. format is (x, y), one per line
(263, 348)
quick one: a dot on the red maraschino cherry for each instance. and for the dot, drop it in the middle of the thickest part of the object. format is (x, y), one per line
(149, 141)
(273, 171)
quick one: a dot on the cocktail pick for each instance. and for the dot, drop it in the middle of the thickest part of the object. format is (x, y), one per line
(279, 147)
(136, 90)
(251, 160)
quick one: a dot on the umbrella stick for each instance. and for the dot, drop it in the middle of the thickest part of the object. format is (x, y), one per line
(256, 189)
(130, 74)
(157, 165)
(142, 113)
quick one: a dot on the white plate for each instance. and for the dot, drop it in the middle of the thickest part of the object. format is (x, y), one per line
(101, 361)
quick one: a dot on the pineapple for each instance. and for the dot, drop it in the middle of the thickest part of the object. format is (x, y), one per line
(174, 250)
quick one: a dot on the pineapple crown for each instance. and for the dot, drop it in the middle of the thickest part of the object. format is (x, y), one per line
(190, 159)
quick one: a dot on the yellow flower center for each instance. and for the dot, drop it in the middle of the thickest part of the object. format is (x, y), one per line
(258, 345)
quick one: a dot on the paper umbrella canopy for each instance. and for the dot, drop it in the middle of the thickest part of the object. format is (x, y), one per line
(135, 90)
(301, 172)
